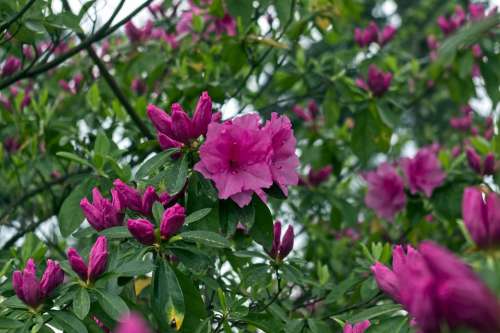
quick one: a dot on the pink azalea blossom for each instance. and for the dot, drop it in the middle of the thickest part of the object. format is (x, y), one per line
(423, 172)
(385, 192)
(284, 161)
(236, 156)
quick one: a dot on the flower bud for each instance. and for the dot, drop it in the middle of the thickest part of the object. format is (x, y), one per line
(131, 197)
(172, 221)
(51, 278)
(202, 115)
(11, 65)
(360, 327)
(142, 230)
(181, 124)
(489, 164)
(276, 239)
(387, 34)
(286, 245)
(474, 159)
(77, 264)
(138, 86)
(313, 108)
(98, 258)
(378, 81)
(103, 213)
(160, 119)
(386, 279)
(316, 177)
(166, 142)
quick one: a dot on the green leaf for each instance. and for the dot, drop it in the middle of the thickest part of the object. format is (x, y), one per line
(198, 215)
(70, 215)
(116, 232)
(175, 175)
(193, 302)
(208, 238)
(135, 268)
(240, 8)
(262, 229)
(68, 322)
(154, 163)
(317, 326)
(370, 135)
(74, 158)
(168, 299)
(7, 323)
(93, 97)
(217, 8)
(112, 304)
(374, 312)
(81, 303)
(465, 37)
(397, 324)
(102, 144)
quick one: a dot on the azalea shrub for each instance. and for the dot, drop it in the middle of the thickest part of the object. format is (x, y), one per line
(249, 166)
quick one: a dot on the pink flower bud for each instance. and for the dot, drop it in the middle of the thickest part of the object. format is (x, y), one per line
(160, 119)
(11, 65)
(313, 108)
(142, 230)
(360, 327)
(98, 258)
(138, 86)
(202, 115)
(166, 142)
(387, 34)
(474, 159)
(286, 245)
(172, 221)
(51, 278)
(131, 197)
(489, 165)
(476, 51)
(103, 213)
(301, 113)
(316, 177)
(386, 280)
(77, 264)
(182, 126)
(276, 239)
(378, 81)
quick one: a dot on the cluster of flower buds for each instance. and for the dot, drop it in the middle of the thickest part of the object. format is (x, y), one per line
(372, 34)
(378, 82)
(459, 17)
(136, 34)
(178, 129)
(437, 289)
(308, 114)
(481, 215)
(10, 66)
(103, 213)
(172, 221)
(456, 20)
(98, 259)
(281, 246)
(32, 291)
(486, 167)
(134, 200)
